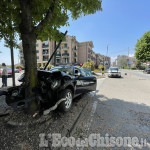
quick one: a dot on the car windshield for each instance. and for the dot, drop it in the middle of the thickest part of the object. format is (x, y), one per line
(9, 69)
(114, 69)
(67, 70)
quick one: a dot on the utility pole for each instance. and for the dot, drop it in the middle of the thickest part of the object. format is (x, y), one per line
(106, 55)
(128, 56)
(128, 59)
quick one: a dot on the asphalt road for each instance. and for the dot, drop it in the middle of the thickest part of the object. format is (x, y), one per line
(137, 73)
(123, 108)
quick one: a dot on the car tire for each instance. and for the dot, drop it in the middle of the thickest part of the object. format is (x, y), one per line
(65, 106)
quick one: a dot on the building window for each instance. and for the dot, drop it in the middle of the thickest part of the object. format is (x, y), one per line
(65, 45)
(37, 57)
(37, 45)
(57, 61)
(66, 60)
(37, 51)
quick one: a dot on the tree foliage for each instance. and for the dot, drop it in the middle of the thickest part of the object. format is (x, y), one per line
(89, 65)
(143, 48)
(122, 62)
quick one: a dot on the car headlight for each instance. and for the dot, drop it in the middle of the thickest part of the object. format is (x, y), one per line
(55, 84)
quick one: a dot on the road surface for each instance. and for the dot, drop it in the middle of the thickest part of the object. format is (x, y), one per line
(123, 108)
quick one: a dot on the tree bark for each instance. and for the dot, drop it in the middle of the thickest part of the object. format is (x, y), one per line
(29, 46)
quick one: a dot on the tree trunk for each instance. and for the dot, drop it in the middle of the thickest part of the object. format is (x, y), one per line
(28, 37)
(12, 66)
(29, 47)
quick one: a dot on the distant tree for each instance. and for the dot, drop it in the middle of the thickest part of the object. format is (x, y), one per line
(138, 64)
(89, 65)
(122, 62)
(41, 19)
(8, 33)
(143, 48)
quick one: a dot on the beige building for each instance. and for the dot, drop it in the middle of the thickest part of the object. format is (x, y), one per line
(67, 53)
(85, 51)
(70, 52)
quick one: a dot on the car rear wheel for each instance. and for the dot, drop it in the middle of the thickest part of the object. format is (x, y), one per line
(67, 103)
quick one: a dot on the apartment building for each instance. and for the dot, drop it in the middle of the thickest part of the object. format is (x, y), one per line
(70, 52)
(85, 51)
(99, 59)
(67, 52)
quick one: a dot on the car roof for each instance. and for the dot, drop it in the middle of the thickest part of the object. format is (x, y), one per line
(64, 66)
(114, 68)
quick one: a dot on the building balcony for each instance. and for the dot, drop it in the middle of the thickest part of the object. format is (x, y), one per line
(58, 55)
(45, 59)
(65, 54)
(45, 46)
(75, 55)
(45, 53)
(65, 48)
(75, 48)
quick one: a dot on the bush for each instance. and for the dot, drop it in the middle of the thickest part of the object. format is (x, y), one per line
(41, 68)
(133, 68)
(50, 66)
(19, 66)
(101, 66)
(89, 65)
(96, 70)
(9, 66)
(142, 67)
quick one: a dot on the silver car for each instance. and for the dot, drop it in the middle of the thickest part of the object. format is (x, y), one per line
(114, 72)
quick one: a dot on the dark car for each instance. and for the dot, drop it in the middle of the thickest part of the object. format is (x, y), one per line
(147, 70)
(56, 88)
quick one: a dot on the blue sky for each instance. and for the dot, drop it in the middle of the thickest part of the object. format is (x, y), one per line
(119, 26)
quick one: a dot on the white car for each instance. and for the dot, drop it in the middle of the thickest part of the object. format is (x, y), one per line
(114, 72)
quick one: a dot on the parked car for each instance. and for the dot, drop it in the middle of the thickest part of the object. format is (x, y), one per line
(56, 88)
(17, 71)
(147, 70)
(114, 72)
(9, 72)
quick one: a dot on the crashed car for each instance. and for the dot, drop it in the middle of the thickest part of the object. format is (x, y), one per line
(56, 88)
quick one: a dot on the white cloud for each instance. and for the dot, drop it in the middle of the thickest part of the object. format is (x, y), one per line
(131, 55)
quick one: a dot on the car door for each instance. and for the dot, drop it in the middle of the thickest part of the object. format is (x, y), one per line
(84, 83)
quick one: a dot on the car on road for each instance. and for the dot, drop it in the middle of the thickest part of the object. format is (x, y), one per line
(9, 72)
(17, 71)
(147, 70)
(56, 88)
(114, 72)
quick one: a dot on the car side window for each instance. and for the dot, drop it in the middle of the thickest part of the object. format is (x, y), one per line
(82, 72)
